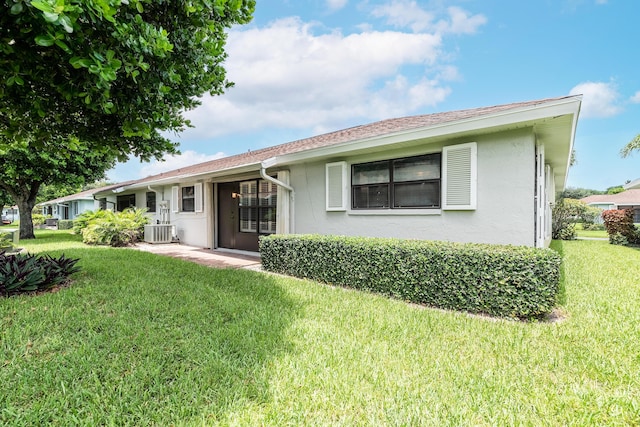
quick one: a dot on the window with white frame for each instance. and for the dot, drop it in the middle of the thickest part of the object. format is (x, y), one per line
(188, 199)
(404, 183)
(257, 204)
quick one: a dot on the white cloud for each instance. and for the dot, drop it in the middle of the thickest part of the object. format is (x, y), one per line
(600, 99)
(635, 98)
(408, 14)
(296, 74)
(336, 4)
(172, 162)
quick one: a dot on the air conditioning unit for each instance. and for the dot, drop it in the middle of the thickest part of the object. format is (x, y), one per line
(158, 233)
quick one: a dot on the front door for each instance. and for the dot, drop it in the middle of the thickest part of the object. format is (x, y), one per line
(229, 234)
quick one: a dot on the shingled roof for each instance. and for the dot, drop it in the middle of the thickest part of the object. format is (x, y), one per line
(629, 197)
(356, 133)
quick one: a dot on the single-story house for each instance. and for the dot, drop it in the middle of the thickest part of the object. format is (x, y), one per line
(629, 199)
(487, 175)
(69, 207)
(10, 214)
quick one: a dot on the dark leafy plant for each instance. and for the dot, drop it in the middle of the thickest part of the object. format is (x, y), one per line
(27, 273)
(619, 223)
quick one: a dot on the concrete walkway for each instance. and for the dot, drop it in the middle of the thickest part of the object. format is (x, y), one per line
(208, 257)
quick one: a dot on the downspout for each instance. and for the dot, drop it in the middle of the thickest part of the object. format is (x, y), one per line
(263, 173)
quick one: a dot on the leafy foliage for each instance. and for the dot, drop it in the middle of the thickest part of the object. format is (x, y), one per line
(27, 273)
(6, 242)
(578, 193)
(38, 219)
(620, 226)
(112, 74)
(564, 215)
(101, 80)
(112, 228)
(632, 146)
(65, 224)
(499, 280)
(23, 170)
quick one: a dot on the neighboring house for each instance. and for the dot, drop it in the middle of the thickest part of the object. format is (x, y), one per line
(10, 214)
(485, 175)
(629, 199)
(69, 207)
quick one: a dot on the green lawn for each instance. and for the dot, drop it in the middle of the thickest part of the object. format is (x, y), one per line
(145, 340)
(602, 234)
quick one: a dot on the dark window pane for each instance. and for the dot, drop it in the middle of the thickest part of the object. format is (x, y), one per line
(188, 205)
(417, 168)
(151, 201)
(370, 173)
(417, 195)
(124, 202)
(188, 199)
(267, 220)
(248, 220)
(371, 196)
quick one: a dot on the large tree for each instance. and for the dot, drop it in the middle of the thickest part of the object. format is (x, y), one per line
(107, 76)
(24, 171)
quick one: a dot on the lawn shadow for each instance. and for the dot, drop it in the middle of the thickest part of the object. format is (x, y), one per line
(143, 339)
(557, 245)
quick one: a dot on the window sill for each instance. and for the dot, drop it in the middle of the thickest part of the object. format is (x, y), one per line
(391, 212)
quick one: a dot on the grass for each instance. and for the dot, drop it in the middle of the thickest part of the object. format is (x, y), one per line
(140, 339)
(601, 234)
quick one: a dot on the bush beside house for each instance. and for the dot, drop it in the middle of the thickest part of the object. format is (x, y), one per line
(506, 281)
(106, 227)
(620, 227)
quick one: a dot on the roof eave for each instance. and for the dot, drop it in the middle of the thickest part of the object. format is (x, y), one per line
(502, 119)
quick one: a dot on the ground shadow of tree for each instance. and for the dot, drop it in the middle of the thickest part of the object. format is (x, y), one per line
(152, 341)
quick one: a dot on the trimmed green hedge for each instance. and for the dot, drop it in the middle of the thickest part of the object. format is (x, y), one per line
(506, 281)
(65, 224)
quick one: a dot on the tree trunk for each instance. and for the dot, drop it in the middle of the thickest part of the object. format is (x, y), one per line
(26, 221)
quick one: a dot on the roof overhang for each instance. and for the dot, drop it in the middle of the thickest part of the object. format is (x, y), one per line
(635, 184)
(554, 123)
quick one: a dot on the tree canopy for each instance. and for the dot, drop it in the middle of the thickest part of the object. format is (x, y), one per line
(113, 73)
(103, 79)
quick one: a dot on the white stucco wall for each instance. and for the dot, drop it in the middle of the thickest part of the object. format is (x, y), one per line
(504, 214)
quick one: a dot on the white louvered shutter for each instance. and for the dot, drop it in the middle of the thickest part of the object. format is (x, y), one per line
(197, 192)
(459, 177)
(175, 207)
(336, 186)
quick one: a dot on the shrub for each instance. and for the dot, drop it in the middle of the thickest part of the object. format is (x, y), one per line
(65, 224)
(38, 219)
(6, 242)
(620, 222)
(82, 220)
(499, 280)
(114, 228)
(592, 226)
(563, 217)
(27, 273)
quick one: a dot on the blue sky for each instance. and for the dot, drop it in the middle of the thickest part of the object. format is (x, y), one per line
(302, 68)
